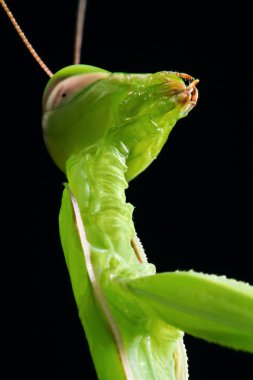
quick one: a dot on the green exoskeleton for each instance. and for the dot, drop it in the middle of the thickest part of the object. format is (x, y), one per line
(119, 123)
(103, 129)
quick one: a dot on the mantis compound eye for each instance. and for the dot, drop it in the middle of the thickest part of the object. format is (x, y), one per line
(63, 90)
(67, 103)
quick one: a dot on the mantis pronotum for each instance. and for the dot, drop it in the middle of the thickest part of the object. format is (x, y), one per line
(157, 164)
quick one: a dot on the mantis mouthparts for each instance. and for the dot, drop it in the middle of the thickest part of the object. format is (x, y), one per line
(189, 96)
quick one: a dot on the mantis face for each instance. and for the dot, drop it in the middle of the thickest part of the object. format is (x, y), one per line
(84, 106)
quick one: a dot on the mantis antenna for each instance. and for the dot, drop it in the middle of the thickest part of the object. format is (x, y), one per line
(79, 30)
(78, 36)
(25, 40)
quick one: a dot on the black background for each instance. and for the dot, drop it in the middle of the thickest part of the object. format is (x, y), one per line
(193, 205)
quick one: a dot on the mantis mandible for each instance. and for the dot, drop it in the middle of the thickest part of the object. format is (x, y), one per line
(127, 119)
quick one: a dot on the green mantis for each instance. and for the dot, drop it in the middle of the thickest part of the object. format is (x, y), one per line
(129, 119)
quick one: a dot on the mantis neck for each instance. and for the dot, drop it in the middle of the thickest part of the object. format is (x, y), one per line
(97, 179)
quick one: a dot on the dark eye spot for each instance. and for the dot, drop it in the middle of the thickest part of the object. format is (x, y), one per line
(63, 95)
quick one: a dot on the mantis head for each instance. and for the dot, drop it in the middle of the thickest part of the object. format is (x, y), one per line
(84, 106)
